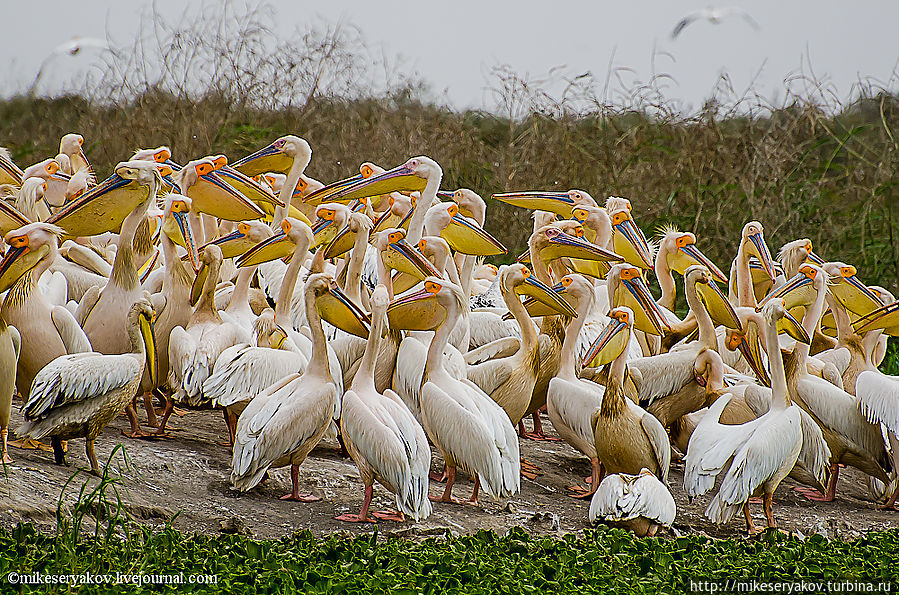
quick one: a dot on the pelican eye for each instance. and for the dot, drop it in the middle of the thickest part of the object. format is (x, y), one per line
(847, 271)
(620, 316)
(422, 243)
(452, 210)
(44, 186)
(525, 272)
(301, 185)
(808, 246)
(19, 242)
(620, 218)
(179, 206)
(566, 281)
(579, 214)
(326, 214)
(366, 171)
(630, 273)
(243, 228)
(285, 226)
(808, 271)
(396, 237)
(203, 168)
(279, 143)
(164, 170)
(432, 287)
(579, 231)
(684, 241)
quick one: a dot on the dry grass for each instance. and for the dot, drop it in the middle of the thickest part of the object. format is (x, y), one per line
(807, 168)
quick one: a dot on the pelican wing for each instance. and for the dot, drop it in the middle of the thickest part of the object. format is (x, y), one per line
(607, 500)
(492, 374)
(644, 496)
(878, 398)
(664, 374)
(242, 372)
(78, 377)
(767, 449)
(297, 413)
(658, 437)
(500, 348)
(463, 436)
(70, 332)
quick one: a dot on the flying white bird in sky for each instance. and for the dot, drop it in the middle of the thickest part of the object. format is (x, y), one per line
(714, 15)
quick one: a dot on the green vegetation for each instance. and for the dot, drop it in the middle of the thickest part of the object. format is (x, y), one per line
(599, 560)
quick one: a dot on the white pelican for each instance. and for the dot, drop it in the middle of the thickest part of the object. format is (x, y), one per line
(381, 435)
(289, 154)
(76, 396)
(758, 454)
(47, 331)
(10, 345)
(570, 401)
(742, 290)
(471, 431)
(194, 349)
(283, 424)
(102, 314)
(852, 439)
(640, 503)
(72, 145)
(510, 380)
(172, 305)
(626, 437)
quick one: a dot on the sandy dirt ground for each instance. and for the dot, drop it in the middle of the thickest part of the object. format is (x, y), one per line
(186, 478)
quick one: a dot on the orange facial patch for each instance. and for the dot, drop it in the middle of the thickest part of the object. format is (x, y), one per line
(432, 287)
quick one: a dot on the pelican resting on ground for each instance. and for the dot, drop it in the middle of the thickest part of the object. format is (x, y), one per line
(76, 396)
(639, 503)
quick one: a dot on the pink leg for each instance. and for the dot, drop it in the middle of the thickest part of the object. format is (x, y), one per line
(830, 494)
(441, 477)
(295, 494)
(891, 503)
(581, 492)
(448, 491)
(362, 517)
(135, 432)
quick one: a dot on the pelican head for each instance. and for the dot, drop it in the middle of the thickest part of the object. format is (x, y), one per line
(246, 235)
(331, 218)
(71, 145)
(177, 227)
(613, 340)
(596, 222)
(279, 157)
(157, 155)
(679, 250)
(792, 254)
(105, 206)
(775, 312)
(43, 169)
(854, 295)
(293, 233)
(753, 240)
(345, 239)
(408, 177)
(427, 308)
(335, 307)
(517, 278)
(462, 233)
(470, 204)
(201, 181)
(627, 239)
(29, 246)
(399, 255)
(552, 243)
(627, 288)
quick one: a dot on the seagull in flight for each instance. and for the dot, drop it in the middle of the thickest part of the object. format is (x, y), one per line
(73, 46)
(714, 15)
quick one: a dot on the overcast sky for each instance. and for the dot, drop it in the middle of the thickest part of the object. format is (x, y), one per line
(453, 46)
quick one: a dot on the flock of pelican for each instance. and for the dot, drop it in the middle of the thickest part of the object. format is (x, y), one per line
(361, 310)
